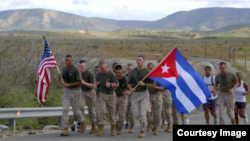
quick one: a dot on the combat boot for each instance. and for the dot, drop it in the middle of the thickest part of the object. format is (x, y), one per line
(163, 125)
(100, 130)
(93, 129)
(131, 129)
(155, 131)
(233, 121)
(141, 135)
(65, 132)
(82, 127)
(169, 128)
(149, 126)
(113, 130)
(119, 132)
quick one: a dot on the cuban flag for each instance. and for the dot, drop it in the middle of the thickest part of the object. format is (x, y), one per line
(188, 89)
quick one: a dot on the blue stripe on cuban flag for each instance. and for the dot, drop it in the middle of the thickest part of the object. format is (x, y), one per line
(189, 91)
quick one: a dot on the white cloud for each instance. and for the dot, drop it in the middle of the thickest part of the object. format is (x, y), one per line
(122, 9)
(79, 2)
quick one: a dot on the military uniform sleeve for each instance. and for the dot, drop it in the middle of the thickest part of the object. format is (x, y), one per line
(91, 78)
(78, 75)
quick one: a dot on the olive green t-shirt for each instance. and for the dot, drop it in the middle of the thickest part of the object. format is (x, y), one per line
(122, 86)
(137, 75)
(88, 77)
(153, 90)
(71, 75)
(226, 81)
(108, 77)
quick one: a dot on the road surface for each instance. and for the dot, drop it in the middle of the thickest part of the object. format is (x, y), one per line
(74, 136)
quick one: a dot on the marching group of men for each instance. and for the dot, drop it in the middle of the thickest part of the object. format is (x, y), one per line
(132, 97)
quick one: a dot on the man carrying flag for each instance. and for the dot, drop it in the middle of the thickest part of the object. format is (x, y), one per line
(71, 94)
(140, 96)
(47, 62)
(188, 90)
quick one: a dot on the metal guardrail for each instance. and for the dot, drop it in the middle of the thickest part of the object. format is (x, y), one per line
(17, 113)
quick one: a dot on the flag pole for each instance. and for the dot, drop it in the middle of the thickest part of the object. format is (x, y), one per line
(153, 69)
(59, 73)
(56, 66)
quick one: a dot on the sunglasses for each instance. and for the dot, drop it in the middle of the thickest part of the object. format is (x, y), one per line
(207, 69)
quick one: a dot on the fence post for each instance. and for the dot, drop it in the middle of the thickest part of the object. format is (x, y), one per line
(12, 124)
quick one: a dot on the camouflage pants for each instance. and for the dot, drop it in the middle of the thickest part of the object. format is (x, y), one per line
(226, 100)
(90, 98)
(156, 103)
(128, 111)
(167, 106)
(121, 107)
(98, 107)
(73, 97)
(176, 116)
(140, 107)
(106, 103)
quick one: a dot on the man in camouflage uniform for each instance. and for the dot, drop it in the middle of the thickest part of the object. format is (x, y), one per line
(88, 94)
(155, 97)
(71, 94)
(140, 95)
(228, 83)
(107, 98)
(128, 112)
(121, 98)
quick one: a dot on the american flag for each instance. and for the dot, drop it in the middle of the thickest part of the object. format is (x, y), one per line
(47, 62)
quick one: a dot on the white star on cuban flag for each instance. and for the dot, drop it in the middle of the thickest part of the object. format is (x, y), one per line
(165, 68)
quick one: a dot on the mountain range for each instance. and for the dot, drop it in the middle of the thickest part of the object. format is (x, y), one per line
(202, 19)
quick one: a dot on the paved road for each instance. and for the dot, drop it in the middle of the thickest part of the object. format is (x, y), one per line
(163, 136)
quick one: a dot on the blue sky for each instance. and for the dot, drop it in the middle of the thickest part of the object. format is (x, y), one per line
(147, 10)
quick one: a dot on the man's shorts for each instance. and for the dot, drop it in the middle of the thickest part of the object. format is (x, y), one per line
(211, 104)
(241, 105)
